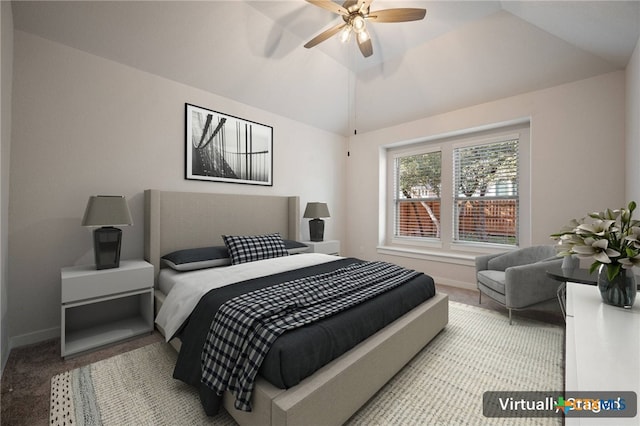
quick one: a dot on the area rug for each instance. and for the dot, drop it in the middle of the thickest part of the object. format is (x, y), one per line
(478, 351)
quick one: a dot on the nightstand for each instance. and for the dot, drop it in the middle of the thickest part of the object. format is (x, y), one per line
(99, 307)
(327, 247)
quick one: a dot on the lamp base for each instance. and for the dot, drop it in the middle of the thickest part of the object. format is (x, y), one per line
(106, 247)
(316, 229)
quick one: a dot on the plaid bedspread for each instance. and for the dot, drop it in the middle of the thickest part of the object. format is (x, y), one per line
(246, 326)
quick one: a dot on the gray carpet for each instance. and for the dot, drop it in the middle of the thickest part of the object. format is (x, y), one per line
(443, 385)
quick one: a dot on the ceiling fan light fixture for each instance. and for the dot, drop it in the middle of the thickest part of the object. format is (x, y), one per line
(363, 36)
(358, 24)
(345, 34)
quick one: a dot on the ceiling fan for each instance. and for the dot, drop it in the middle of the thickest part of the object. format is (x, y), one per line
(355, 14)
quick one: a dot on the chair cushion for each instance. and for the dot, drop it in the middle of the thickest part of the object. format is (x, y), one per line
(495, 280)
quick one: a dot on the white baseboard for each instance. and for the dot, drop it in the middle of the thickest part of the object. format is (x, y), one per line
(35, 337)
(3, 361)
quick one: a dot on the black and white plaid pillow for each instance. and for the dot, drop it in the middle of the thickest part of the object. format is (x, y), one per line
(244, 249)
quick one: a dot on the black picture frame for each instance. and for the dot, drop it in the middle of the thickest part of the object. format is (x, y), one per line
(224, 148)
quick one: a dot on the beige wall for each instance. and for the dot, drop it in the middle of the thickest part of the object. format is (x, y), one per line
(633, 126)
(6, 68)
(85, 125)
(577, 163)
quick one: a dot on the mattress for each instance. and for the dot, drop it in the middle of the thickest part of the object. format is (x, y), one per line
(298, 353)
(167, 278)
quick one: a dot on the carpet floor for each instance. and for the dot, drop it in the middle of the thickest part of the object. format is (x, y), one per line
(443, 385)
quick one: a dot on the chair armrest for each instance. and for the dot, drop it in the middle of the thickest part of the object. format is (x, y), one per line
(527, 285)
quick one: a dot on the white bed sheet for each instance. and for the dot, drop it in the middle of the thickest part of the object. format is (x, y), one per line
(167, 279)
(186, 288)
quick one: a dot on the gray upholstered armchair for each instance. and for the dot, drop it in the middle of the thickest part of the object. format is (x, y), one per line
(518, 279)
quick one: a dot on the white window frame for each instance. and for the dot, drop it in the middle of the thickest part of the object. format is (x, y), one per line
(446, 246)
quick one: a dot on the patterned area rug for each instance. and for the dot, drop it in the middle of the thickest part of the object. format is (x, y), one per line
(443, 385)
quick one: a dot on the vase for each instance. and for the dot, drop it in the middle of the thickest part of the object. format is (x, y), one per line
(621, 291)
(570, 262)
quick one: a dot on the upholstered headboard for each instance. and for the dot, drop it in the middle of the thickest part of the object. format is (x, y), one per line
(180, 220)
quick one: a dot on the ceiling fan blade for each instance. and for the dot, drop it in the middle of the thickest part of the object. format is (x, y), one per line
(397, 15)
(348, 3)
(363, 5)
(330, 6)
(325, 35)
(365, 47)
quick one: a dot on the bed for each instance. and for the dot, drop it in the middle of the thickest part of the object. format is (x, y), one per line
(182, 220)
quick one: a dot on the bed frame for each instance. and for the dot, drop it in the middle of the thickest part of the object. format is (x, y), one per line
(179, 220)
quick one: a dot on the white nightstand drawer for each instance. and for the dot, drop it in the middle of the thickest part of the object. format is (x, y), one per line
(85, 282)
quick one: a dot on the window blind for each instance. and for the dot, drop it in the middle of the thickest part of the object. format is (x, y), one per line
(417, 186)
(486, 196)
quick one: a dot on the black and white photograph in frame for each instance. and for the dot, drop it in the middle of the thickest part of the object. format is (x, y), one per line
(224, 148)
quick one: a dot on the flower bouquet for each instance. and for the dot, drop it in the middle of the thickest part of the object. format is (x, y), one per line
(612, 239)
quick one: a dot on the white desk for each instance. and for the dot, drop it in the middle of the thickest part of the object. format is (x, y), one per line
(602, 349)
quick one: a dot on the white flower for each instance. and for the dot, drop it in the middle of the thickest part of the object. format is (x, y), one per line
(630, 262)
(634, 237)
(598, 227)
(598, 249)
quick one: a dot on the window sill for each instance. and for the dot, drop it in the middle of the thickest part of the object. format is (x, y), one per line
(457, 258)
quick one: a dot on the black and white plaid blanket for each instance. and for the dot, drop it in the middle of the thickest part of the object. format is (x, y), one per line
(246, 326)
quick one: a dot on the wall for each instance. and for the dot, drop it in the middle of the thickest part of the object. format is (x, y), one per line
(85, 125)
(633, 126)
(577, 163)
(6, 68)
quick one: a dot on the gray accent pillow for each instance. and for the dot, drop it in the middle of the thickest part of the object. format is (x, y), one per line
(215, 256)
(295, 247)
(197, 258)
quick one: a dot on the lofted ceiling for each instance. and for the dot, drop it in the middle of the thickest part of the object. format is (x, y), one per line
(463, 53)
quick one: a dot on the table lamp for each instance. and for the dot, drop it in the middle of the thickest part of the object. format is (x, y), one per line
(315, 211)
(107, 211)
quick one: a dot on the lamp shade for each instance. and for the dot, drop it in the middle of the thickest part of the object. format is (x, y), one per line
(107, 210)
(316, 210)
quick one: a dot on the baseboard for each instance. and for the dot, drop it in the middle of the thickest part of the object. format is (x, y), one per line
(3, 362)
(35, 337)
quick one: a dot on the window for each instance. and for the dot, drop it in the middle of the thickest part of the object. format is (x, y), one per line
(459, 193)
(485, 200)
(417, 195)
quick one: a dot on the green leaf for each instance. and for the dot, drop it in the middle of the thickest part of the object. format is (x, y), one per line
(613, 269)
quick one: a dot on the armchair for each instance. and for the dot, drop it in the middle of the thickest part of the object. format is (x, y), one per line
(518, 279)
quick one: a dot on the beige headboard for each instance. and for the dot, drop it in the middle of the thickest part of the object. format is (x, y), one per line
(179, 220)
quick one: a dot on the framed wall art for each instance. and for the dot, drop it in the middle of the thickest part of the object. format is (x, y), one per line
(224, 148)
